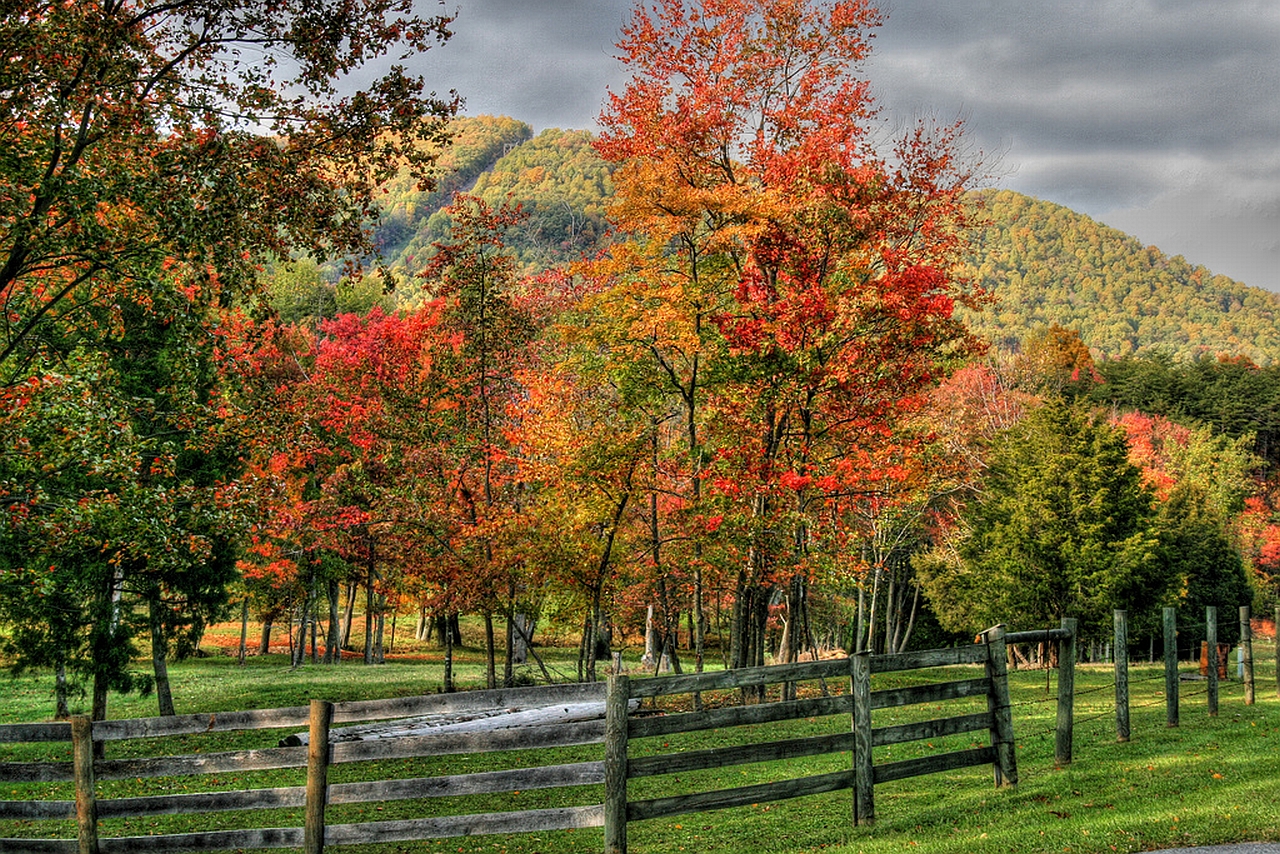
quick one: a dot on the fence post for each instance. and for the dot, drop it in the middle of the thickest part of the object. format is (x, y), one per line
(1246, 649)
(1006, 764)
(1066, 692)
(615, 764)
(864, 804)
(1171, 666)
(82, 768)
(319, 752)
(1211, 656)
(1121, 619)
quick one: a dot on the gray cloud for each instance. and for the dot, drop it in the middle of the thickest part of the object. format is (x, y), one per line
(1157, 116)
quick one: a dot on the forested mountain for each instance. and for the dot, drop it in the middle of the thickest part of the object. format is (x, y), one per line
(556, 178)
(1042, 263)
(1047, 264)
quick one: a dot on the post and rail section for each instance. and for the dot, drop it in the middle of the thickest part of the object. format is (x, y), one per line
(619, 732)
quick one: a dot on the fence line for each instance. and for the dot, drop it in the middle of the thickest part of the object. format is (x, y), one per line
(317, 753)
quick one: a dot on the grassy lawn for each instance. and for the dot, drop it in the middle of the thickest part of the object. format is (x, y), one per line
(1211, 780)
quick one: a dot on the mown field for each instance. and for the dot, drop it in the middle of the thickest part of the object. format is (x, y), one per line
(1210, 780)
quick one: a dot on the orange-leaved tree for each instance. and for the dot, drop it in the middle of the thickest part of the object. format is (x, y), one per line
(782, 280)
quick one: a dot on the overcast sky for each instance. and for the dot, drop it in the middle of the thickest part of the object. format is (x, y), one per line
(1158, 117)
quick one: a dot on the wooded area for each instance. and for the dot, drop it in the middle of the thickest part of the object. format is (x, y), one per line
(716, 386)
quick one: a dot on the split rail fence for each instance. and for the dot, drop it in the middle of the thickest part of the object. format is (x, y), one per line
(621, 730)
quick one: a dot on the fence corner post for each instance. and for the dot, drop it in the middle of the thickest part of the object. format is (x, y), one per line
(319, 753)
(1066, 692)
(1171, 666)
(1246, 648)
(82, 768)
(1121, 619)
(864, 804)
(1006, 764)
(615, 764)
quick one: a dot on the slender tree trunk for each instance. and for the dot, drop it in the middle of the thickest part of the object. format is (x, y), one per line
(490, 653)
(333, 641)
(351, 614)
(508, 667)
(244, 629)
(62, 710)
(159, 663)
(264, 644)
(448, 658)
(298, 651)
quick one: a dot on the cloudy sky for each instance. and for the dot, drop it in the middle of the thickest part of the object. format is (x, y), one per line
(1158, 117)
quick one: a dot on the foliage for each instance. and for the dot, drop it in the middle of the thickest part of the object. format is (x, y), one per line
(405, 231)
(779, 290)
(1064, 527)
(1046, 264)
(1233, 397)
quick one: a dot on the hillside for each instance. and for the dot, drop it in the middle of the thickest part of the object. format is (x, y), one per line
(1042, 263)
(1048, 264)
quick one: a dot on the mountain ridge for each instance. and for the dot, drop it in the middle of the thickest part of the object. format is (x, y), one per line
(1043, 263)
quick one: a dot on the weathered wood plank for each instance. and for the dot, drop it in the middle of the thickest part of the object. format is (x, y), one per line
(38, 810)
(36, 772)
(39, 846)
(410, 830)
(271, 758)
(726, 798)
(698, 760)
(214, 840)
(936, 728)
(1042, 636)
(724, 679)
(559, 735)
(928, 658)
(486, 783)
(739, 716)
(50, 731)
(296, 716)
(936, 693)
(484, 720)
(202, 802)
(468, 701)
(890, 771)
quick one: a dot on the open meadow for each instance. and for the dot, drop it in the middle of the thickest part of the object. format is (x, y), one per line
(1207, 781)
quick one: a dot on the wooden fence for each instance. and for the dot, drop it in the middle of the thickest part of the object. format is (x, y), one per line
(619, 729)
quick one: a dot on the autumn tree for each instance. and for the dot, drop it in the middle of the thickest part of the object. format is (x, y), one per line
(784, 282)
(154, 155)
(474, 277)
(1064, 528)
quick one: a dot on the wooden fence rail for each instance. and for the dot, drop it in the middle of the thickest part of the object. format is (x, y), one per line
(318, 752)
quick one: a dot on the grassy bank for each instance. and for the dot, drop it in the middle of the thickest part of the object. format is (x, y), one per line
(1210, 780)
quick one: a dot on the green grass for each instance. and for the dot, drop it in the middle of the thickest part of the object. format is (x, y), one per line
(1208, 781)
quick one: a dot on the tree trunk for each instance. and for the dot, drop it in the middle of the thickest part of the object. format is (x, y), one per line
(62, 710)
(244, 629)
(333, 641)
(448, 657)
(264, 645)
(159, 663)
(368, 614)
(490, 653)
(351, 615)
